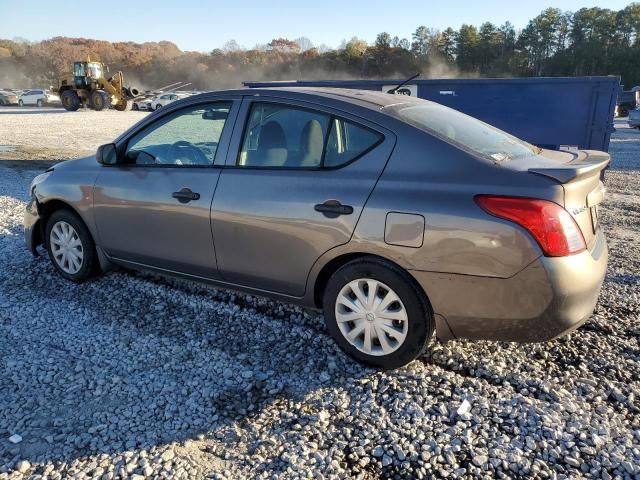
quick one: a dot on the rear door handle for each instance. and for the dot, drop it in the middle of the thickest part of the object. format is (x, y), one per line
(185, 195)
(333, 208)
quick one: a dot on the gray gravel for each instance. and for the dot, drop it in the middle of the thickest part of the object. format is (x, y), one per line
(134, 376)
(33, 133)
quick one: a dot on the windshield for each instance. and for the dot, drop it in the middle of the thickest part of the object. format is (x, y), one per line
(463, 131)
(94, 70)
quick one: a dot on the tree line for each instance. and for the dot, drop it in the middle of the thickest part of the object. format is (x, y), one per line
(590, 41)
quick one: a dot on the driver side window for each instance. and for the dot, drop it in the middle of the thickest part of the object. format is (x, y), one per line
(188, 137)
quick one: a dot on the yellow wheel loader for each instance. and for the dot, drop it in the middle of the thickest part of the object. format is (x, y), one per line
(87, 85)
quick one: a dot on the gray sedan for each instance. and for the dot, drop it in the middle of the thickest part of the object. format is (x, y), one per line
(396, 216)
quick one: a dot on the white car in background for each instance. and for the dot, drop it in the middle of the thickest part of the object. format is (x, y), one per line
(38, 98)
(165, 99)
(143, 103)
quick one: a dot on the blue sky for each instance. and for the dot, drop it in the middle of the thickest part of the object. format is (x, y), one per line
(205, 25)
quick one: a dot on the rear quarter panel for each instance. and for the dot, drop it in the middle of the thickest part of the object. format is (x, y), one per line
(428, 177)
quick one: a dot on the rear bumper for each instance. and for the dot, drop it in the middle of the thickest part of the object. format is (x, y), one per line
(549, 298)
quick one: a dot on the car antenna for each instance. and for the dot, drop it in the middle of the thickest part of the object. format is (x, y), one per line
(395, 89)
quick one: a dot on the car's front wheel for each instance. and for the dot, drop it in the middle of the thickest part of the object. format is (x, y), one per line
(70, 246)
(376, 313)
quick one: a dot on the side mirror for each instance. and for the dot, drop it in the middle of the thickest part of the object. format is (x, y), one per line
(107, 154)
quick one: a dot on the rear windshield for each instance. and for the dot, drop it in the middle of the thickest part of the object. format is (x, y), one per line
(463, 131)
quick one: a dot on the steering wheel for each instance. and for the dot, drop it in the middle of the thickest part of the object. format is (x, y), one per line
(186, 153)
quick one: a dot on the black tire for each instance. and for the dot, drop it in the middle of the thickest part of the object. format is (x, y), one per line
(89, 265)
(40, 103)
(134, 107)
(21, 103)
(623, 112)
(70, 100)
(99, 100)
(1, 102)
(158, 107)
(420, 315)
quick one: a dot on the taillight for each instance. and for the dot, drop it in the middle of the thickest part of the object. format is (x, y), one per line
(552, 226)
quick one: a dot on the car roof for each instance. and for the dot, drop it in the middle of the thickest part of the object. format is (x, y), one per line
(332, 97)
(371, 99)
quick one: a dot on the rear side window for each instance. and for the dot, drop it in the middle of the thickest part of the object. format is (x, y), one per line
(290, 137)
(463, 131)
(348, 141)
(282, 136)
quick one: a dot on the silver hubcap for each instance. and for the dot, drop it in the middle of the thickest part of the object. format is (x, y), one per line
(371, 317)
(66, 247)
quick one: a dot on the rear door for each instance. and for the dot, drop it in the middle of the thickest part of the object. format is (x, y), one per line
(296, 181)
(153, 209)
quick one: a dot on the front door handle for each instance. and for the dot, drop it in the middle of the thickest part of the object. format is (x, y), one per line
(333, 208)
(185, 195)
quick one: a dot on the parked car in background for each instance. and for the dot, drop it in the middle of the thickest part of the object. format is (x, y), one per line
(8, 98)
(634, 118)
(395, 215)
(627, 100)
(143, 103)
(165, 99)
(39, 98)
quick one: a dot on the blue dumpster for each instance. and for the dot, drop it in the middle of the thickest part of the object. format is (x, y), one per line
(551, 112)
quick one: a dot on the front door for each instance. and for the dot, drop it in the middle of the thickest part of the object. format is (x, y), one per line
(30, 98)
(296, 181)
(153, 207)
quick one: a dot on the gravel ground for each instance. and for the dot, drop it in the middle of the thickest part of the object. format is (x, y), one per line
(133, 376)
(55, 134)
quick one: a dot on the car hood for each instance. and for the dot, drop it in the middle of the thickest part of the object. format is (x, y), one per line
(82, 163)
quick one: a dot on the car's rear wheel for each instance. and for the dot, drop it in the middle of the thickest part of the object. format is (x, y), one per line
(376, 313)
(21, 103)
(40, 103)
(70, 246)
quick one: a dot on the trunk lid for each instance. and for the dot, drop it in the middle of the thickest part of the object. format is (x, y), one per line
(580, 174)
